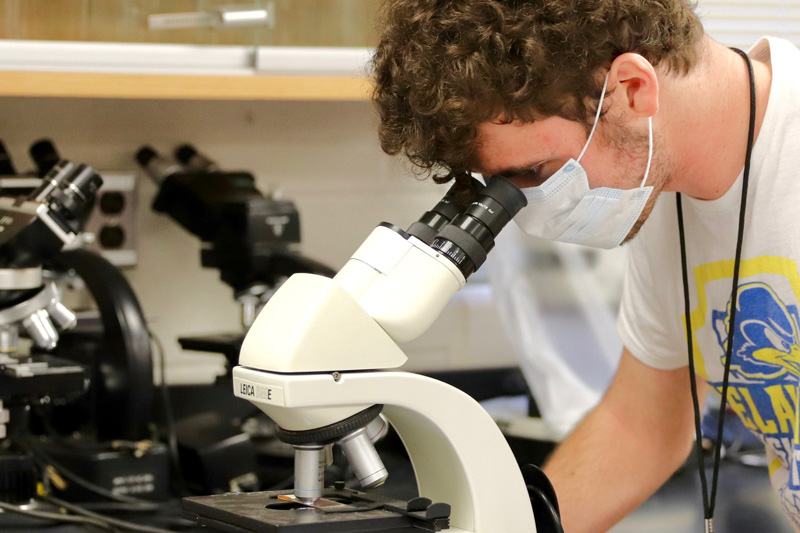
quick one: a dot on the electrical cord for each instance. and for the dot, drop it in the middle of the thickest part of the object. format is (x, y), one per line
(172, 438)
(283, 485)
(121, 507)
(172, 433)
(552, 522)
(44, 459)
(111, 522)
(134, 503)
(55, 517)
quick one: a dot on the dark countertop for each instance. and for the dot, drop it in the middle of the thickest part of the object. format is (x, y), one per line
(745, 504)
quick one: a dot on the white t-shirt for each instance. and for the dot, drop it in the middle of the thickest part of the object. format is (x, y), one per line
(765, 370)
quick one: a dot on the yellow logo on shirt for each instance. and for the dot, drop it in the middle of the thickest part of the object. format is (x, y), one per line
(750, 270)
(765, 362)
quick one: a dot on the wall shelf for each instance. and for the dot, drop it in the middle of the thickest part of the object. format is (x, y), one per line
(182, 86)
(147, 71)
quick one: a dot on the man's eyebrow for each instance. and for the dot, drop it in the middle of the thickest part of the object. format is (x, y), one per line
(517, 170)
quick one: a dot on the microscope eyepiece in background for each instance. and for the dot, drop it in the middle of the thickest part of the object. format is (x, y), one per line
(188, 156)
(157, 166)
(44, 155)
(68, 189)
(6, 166)
(470, 236)
(145, 154)
(78, 192)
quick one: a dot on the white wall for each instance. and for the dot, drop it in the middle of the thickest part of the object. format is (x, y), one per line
(323, 156)
(741, 23)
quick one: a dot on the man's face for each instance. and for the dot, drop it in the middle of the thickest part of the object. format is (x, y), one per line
(529, 153)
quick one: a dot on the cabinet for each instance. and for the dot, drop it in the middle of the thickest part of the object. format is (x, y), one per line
(310, 50)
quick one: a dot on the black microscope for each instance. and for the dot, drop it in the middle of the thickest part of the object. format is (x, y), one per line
(72, 384)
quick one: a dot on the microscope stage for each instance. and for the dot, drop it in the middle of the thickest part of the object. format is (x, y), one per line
(41, 375)
(265, 512)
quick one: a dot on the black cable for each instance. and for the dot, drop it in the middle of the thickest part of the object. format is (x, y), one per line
(736, 265)
(172, 438)
(551, 524)
(45, 459)
(709, 502)
(121, 507)
(172, 433)
(690, 344)
(112, 522)
(283, 485)
(55, 517)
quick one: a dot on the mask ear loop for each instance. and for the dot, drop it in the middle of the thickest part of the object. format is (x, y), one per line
(649, 152)
(596, 117)
(594, 127)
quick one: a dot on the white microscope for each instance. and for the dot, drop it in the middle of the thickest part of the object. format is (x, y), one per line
(321, 359)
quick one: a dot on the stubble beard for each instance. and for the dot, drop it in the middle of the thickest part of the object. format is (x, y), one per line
(635, 145)
(660, 176)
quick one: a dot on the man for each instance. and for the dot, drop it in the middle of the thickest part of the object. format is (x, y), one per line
(516, 88)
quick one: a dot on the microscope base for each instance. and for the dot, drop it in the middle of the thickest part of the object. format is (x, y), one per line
(265, 512)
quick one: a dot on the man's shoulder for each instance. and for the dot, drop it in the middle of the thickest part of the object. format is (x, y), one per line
(780, 45)
(782, 55)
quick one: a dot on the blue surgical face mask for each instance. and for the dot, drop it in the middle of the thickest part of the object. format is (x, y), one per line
(565, 209)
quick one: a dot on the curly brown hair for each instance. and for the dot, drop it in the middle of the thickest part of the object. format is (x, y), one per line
(442, 67)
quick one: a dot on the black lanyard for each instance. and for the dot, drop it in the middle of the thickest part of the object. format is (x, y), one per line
(708, 501)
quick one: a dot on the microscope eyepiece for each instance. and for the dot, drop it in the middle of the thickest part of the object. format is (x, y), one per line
(156, 166)
(44, 155)
(79, 190)
(144, 155)
(68, 189)
(432, 222)
(499, 201)
(52, 181)
(471, 234)
(6, 166)
(188, 156)
(185, 152)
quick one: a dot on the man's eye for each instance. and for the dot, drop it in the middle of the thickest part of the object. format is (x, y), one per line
(530, 178)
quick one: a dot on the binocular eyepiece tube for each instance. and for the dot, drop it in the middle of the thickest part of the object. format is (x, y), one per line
(466, 238)
(68, 188)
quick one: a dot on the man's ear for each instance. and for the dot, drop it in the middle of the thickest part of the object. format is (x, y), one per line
(635, 85)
